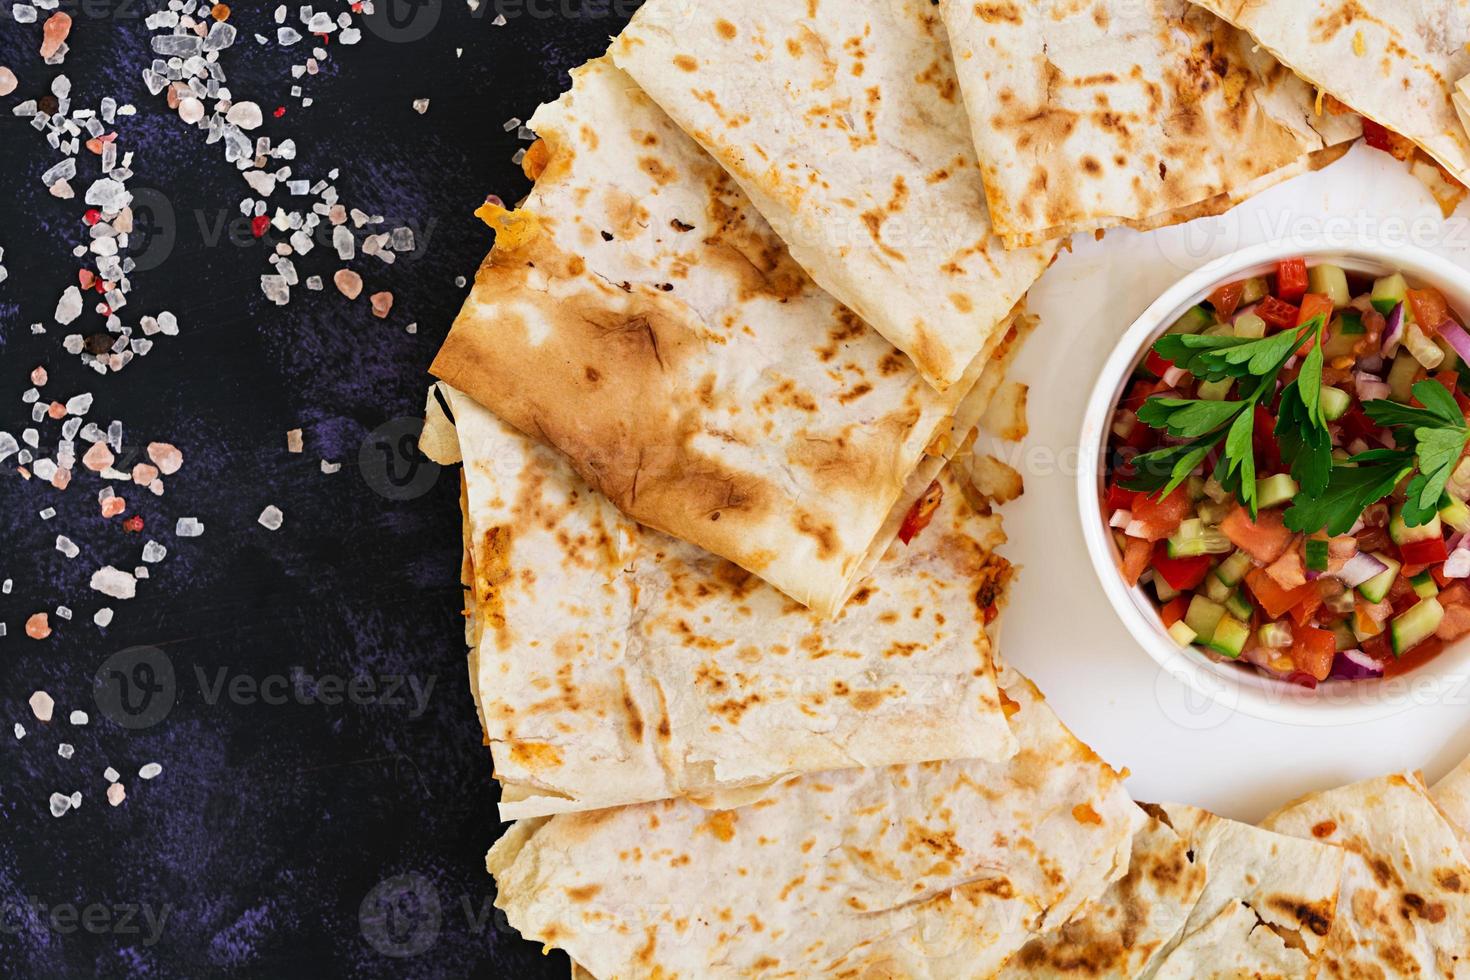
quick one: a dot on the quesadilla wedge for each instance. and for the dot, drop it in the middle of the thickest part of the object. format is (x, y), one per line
(934, 870)
(613, 664)
(843, 123)
(1395, 62)
(1204, 897)
(1452, 795)
(1135, 112)
(640, 317)
(1405, 897)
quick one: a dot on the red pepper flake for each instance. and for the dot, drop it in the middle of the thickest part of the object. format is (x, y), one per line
(259, 224)
(280, 111)
(134, 523)
(92, 216)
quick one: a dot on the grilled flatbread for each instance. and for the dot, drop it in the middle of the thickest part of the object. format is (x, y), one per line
(936, 870)
(613, 664)
(1452, 795)
(1405, 897)
(640, 317)
(1087, 115)
(843, 122)
(1204, 897)
(1394, 61)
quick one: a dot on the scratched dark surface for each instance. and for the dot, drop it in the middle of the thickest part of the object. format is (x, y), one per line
(286, 837)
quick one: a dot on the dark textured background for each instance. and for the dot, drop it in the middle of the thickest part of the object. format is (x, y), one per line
(282, 840)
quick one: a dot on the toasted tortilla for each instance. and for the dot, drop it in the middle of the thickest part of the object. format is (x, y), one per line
(1203, 897)
(613, 664)
(1405, 897)
(1137, 112)
(640, 317)
(1452, 795)
(1394, 61)
(843, 122)
(935, 870)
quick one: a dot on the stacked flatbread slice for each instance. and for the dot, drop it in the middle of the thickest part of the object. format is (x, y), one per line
(1204, 897)
(936, 870)
(1396, 62)
(1404, 904)
(640, 317)
(1133, 112)
(1452, 796)
(612, 664)
(843, 122)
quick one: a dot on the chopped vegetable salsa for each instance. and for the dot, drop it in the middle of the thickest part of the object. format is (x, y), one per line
(1287, 473)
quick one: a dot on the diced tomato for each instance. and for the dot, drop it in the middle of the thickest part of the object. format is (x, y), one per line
(1313, 650)
(921, 513)
(1156, 365)
(1364, 623)
(1431, 551)
(1181, 573)
(1381, 138)
(1455, 594)
(1173, 611)
(1430, 309)
(1226, 299)
(1288, 571)
(1302, 679)
(1161, 518)
(1356, 424)
(1379, 648)
(1141, 392)
(1264, 539)
(1311, 601)
(1314, 305)
(1455, 624)
(1277, 313)
(1120, 499)
(1271, 597)
(1263, 439)
(1291, 279)
(1135, 559)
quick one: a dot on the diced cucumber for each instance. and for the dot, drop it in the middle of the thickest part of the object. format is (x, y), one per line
(1339, 344)
(1401, 377)
(1335, 403)
(1254, 290)
(1233, 569)
(1274, 636)
(1230, 637)
(1218, 330)
(1343, 634)
(1424, 585)
(1195, 319)
(1415, 626)
(1343, 603)
(1455, 514)
(1182, 634)
(1238, 606)
(1401, 534)
(1216, 391)
(1213, 513)
(1215, 589)
(1276, 490)
(1389, 292)
(1330, 281)
(1350, 323)
(1317, 554)
(1377, 587)
(1202, 616)
(1163, 589)
(1195, 538)
(1250, 325)
(1451, 360)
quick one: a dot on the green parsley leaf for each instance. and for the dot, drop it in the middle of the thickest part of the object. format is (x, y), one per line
(1187, 418)
(1434, 397)
(1349, 492)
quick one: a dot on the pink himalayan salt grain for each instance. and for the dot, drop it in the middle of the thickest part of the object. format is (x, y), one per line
(143, 474)
(348, 283)
(166, 457)
(56, 410)
(382, 304)
(116, 794)
(98, 458)
(42, 705)
(38, 627)
(113, 506)
(61, 479)
(54, 32)
(38, 376)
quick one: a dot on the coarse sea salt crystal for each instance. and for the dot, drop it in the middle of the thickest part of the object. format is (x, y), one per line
(154, 552)
(329, 467)
(111, 775)
(42, 705)
(66, 546)
(65, 750)
(114, 582)
(188, 527)
(78, 718)
(103, 616)
(20, 731)
(60, 803)
(271, 518)
(150, 770)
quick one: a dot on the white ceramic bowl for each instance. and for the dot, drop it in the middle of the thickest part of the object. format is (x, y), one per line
(1239, 687)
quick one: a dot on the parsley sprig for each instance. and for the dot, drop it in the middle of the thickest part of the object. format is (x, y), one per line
(1430, 440)
(1254, 364)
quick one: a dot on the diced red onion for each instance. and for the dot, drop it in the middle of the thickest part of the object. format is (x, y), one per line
(1243, 311)
(1355, 665)
(1370, 386)
(1456, 540)
(1457, 565)
(1372, 363)
(1120, 518)
(1359, 524)
(1136, 529)
(1457, 338)
(1173, 376)
(1359, 569)
(1393, 333)
(1385, 436)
